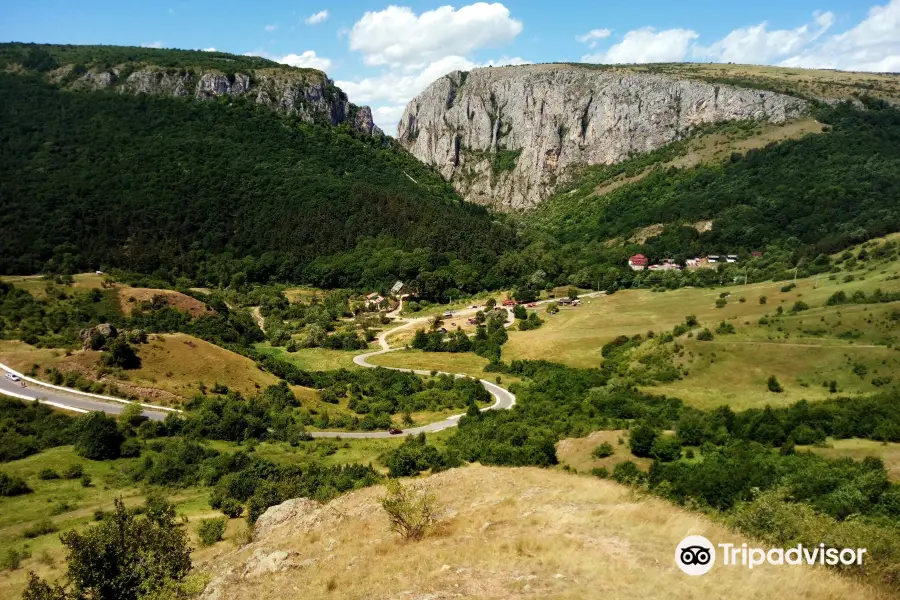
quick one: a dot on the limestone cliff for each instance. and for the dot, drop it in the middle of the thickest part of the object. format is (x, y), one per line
(307, 93)
(508, 136)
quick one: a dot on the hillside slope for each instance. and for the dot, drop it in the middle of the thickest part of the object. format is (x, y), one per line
(506, 136)
(206, 190)
(503, 533)
(306, 93)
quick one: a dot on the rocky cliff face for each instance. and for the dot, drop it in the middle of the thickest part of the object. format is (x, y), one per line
(306, 93)
(508, 136)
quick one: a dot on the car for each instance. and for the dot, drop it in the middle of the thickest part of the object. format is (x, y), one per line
(395, 431)
(12, 377)
(531, 305)
(474, 306)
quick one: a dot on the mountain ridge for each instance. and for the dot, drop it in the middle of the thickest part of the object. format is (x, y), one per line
(307, 93)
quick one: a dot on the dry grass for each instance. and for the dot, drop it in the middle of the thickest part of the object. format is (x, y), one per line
(131, 298)
(858, 449)
(820, 83)
(716, 148)
(507, 534)
(576, 452)
(36, 285)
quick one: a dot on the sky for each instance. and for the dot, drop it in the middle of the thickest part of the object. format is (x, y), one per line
(384, 54)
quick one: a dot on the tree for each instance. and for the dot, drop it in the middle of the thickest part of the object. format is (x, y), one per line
(603, 450)
(642, 438)
(98, 437)
(774, 385)
(666, 449)
(520, 312)
(120, 354)
(124, 557)
(10, 485)
(573, 293)
(211, 531)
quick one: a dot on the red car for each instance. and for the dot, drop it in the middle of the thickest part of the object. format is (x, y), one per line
(395, 431)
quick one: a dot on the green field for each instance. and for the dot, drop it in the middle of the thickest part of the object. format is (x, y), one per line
(314, 359)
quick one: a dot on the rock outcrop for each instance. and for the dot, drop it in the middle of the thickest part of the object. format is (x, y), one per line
(508, 136)
(307, 93)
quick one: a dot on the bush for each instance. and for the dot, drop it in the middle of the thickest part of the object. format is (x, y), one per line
(48, 474)
(12, 559)
(774, 385)
(120, 354)
(642, 438)
(42, 527)
(98, 437)
(10, 485)
(723, 328)
(799, 305)
(124, 556)
(601, 472)
(603, 450)
(86, 480)
(666, 449)
(412, 510)
(705, 335)
(763, 299)
(74, 472)
(211, 531)
(131, 448)
(232, 508)
(721, 302)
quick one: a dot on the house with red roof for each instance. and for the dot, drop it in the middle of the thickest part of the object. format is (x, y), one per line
(638, 262)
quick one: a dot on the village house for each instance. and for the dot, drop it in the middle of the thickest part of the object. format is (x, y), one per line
(638, 262)
(398, 289)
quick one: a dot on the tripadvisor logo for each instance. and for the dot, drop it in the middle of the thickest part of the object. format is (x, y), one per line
(696, 555)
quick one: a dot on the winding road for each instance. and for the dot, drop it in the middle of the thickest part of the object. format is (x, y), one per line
(83, 402)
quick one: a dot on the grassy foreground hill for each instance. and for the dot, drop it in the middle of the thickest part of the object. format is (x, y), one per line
(502, 533)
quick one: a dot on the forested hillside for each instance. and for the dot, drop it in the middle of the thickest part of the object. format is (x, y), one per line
(204, 190)
(815, 195)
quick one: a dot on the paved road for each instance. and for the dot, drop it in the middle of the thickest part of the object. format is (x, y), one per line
(78, 401)
(70, 399)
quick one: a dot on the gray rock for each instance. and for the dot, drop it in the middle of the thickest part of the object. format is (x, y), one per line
(545, 119)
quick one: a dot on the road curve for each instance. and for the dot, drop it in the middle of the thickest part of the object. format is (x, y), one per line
(73, 400)
(83, 402)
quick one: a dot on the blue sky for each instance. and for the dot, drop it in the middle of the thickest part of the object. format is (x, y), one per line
(383, 54)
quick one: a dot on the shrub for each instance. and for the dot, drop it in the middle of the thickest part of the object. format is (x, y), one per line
(125, 556)
(774, 385)
(763, 299)
(628, 473)
(42, 527)
(86, 480)
(12, 559)
(799, 305)
(601, 472)
(603, 450)
(642, 438)
(705, 336)
(412, 510)
(98, 437)
(666, 448)
(131, 448)
(48, 474)
(724, 328)
(74, 472)
(232, 508)
(211, 531)
(10, 485)
(721, 302)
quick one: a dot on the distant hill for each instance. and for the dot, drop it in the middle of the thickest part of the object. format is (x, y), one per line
(203, 190)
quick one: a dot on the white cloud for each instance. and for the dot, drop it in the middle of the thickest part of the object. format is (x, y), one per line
(156, 44)
(872, 45)
(396, 36)
(307, 59)
(391, 90)
(592, 36)
(647, 45)
(756, 44)
(270, 27)
(210, 49)
(316, 18)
